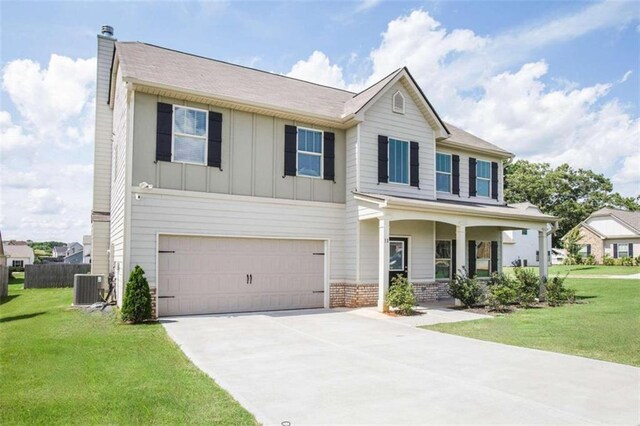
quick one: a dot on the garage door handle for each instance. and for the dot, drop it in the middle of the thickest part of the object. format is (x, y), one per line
(316, 292)
(250, 278)
(166, 297)
(247, 278)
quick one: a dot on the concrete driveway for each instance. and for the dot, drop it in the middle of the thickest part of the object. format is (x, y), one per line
(339, 367)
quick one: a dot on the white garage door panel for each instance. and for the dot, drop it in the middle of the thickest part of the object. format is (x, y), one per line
(203, 275)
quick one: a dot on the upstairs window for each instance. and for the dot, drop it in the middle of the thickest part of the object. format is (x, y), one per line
(398, 161)
(189, 135)
(398, 103)
(483, 178)
(443, 172)
(309, 152)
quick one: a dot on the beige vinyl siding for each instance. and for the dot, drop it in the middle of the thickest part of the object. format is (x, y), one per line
(99, 248)
(410, 126)
(252, 158)
(421, 255)
(119, 152)
(464, 178)
(233, 216)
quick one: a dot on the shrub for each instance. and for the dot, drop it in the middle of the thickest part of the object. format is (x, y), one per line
(136, 306)
(608, 260)
(637, 260)
(557, 294)
(401, 295)
(626, 261)
(528, 286)
(466, 289)
(589, 260)
(500, 296)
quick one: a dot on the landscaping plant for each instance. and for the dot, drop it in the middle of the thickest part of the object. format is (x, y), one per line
(401, 295)
(607, 260)
(466, 289)
(556, 293)
(528, 286)
(136, 306)
(572, 247)
(500, 296)
(589, 260)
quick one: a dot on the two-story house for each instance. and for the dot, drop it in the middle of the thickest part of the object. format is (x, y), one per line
(241, 190)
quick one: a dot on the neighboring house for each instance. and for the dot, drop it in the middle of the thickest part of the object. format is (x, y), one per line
(610, 232)
(520, 248)
(74, 253)
(241, 190)
(17, 255)
(86, 249)
(557, 256)
(59, 251)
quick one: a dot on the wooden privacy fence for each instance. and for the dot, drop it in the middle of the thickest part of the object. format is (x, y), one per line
(53, 274)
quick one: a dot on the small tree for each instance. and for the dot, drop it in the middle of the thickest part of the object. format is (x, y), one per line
(572, 247)
(401, 295)
(467, 290)
(528, 286)
(557, 293)
(136, 306)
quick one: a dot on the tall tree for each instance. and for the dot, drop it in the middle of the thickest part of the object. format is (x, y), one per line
(567, 193)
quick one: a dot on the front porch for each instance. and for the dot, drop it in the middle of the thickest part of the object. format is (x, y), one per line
(428, 241)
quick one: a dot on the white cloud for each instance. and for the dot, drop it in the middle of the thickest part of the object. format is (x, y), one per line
(318, 69)
(626, 76)
(45, 201)
(365, 5)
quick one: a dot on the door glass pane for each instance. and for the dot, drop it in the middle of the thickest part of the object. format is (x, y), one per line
(396, 256)
(443, 268)
(443, 249)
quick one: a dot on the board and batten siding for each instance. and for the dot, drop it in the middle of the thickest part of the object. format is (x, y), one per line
(464, 177)
(410, 126)
(118, 173)
(232, 216)
(252, 157)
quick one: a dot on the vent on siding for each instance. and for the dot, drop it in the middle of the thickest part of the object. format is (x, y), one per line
(398, 102)
(86, 288)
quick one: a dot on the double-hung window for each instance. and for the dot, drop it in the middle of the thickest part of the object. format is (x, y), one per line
(584, 250)
(398, 161)
(309, 152)
(483, 178)
(483, 258)
(189, 135)
(17, 263)
(443, 259)
(623, 250)
(443, 172)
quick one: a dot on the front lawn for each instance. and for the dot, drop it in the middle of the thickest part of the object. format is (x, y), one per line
(59, 365)
(586, 270)
(604, 327)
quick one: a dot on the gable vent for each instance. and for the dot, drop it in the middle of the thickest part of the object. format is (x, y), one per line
(398, 103)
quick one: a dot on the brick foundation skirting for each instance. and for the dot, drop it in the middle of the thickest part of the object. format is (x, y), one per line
(343, 295)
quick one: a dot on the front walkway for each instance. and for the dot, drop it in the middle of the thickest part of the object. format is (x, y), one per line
(342, 367)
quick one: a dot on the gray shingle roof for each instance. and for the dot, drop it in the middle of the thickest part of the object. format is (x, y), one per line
(467, 140)
(632, 219)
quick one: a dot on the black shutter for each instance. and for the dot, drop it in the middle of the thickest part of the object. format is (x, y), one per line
(290, 149)
(164, 128)
(214, 155)
(455, 174)
(414, 164)
(615, 251)
(329, 153)
(588, 249)
(471, 267)
(494, 180)
(630, 249)
(472, 177)
(383, 159)
(494, 256)
(454, 265)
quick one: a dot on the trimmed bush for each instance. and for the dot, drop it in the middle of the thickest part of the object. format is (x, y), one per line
(500, 296)
(401, 295)
(467, 290)
(528, 286)
(607, 260)
(136, 306)
(626, 261)
(556, 293)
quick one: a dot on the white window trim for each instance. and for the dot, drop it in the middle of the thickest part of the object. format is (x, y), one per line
(483, 258)
(450, 258)
(320, 154)
(389, 161)
(205, 138)
(482, 178)
(450, 191)
(393, 103)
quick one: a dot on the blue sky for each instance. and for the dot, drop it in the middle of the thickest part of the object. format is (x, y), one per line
(552, 81)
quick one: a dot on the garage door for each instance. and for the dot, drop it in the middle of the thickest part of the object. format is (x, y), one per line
(205, 275)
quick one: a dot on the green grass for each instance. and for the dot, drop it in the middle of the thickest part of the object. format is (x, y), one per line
(587, 270)
(605, 327)
(59, 365)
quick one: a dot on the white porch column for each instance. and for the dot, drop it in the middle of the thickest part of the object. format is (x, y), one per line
(383, 261)
(543, 260)
(461, 248)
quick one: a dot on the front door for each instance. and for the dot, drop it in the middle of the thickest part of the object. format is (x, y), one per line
(398, 257)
